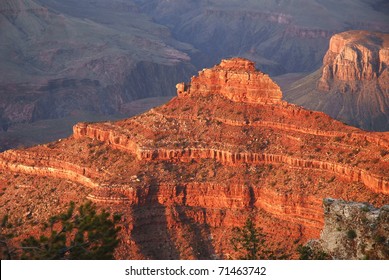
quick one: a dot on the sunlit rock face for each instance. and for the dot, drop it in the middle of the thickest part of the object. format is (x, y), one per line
(353, 84)
(356, 56)
(184, 174)
(235, 79)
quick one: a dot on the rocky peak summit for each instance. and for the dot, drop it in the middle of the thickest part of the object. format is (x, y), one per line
(236, 64)
(235, 79)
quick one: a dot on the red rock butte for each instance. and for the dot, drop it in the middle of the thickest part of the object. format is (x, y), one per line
(353, 84)
(235, 79)
(356, 56)
(186, 173)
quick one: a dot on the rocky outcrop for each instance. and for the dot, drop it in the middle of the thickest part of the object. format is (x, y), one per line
(355, 56)
(235, 79)
(376, 138)
(294, 208)
(376, 183)
(118, 139)
(352, 85)
(305, 210)
(214, 82)
(354, 231)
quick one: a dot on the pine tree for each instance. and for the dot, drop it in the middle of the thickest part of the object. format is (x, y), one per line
(85, 235)
(249, 242)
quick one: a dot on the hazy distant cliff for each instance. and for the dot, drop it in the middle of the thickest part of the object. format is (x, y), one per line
(353, 84)
(280, 36)
(356, 56)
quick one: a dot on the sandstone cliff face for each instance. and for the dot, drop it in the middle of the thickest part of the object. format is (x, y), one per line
(43, 165)
(376, 183)
(355, 56)
(226, 148)
(354, 230)
(352, 86)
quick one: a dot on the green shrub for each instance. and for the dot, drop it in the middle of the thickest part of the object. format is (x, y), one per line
(307, 253)
(384, 153)
(337, 138)
(379, 239)
(351, 234)
(4, 221)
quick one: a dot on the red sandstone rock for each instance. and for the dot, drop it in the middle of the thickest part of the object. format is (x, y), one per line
(235, 79)
(227, 147)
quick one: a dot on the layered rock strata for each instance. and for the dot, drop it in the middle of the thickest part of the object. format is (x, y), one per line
(235, 80)
(226, 148)
(377, 183)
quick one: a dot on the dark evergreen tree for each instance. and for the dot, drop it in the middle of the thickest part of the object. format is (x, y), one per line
(308, 253)
(248, 241)
(86, 235)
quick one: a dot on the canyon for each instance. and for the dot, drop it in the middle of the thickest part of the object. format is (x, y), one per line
(280, 36)
(183, 175)
(88, 60)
